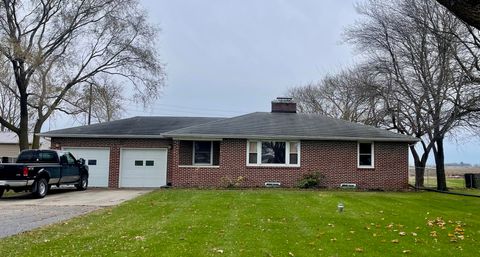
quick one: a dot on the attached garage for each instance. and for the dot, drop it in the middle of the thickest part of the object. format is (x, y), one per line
(124, 153)
(97, 160)
(143, 167)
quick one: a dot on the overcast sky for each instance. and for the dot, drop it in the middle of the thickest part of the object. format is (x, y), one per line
(226, 58)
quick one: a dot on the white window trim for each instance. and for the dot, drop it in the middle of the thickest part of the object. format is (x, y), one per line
(259, 154)
(358, 155)
(211, 155)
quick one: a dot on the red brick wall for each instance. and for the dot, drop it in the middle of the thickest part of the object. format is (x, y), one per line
(115, 145)
(185, 153)
(336, 160)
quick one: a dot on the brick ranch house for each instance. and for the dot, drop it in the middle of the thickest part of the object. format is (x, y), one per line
(280, 146)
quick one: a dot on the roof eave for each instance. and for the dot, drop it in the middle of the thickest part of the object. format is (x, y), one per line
(97, 136)
(219, 137)
(289, 137)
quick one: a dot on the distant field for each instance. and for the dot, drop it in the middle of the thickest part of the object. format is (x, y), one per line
(452, 171)
(449, 171)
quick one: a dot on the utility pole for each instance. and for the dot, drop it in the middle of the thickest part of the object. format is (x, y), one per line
(90, 104)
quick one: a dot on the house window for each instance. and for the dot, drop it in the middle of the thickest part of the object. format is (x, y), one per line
(273, 153)
(92, 162)
(294, 146)
(138, 162)
(252, 155)
(149, 163)
(202, 152)
(365, 155)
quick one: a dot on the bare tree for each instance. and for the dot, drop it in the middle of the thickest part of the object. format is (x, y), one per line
(8, 107)
(347, 95)
(53, 46)
(8, 101)
(413, 47)
(99, 101)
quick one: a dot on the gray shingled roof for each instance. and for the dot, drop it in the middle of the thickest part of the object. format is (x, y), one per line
(136, 127)
(266, 125)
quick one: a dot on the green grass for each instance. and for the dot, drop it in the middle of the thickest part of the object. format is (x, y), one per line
(264, 223)
(454, 185)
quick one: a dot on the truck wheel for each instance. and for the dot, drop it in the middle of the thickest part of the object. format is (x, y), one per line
(40, 188)
(83, 183)
(1, 191)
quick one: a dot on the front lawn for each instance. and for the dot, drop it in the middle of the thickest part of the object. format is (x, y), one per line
(265, 223)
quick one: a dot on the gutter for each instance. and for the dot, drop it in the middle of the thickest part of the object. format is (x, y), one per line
(98, 136)
(284, 137)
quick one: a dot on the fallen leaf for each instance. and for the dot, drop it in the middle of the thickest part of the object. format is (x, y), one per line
(395, 241)
(291, 254)
(358, 250)
(406, 251)
(402, 233)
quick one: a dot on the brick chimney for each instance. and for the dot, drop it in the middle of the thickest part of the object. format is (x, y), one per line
(284, 104)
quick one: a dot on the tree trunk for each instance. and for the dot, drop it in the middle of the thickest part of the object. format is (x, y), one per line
(419, 175)
(36, 139)
(420, 164)
(23, 128)
(440, 163)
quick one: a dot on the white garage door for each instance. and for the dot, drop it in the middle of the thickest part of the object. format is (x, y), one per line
(97, 160)
(143, 167)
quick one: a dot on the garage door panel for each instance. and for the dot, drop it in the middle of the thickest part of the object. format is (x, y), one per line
(143, 167)
(98, 161)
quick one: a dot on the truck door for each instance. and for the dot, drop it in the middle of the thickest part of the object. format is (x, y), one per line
(70, 172)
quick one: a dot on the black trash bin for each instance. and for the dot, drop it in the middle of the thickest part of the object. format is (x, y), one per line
(476, 180)
(469, 180)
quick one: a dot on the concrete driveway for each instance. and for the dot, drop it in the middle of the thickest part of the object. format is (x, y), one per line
(21, 213)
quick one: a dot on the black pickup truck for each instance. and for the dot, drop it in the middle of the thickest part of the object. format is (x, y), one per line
(38, 170)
